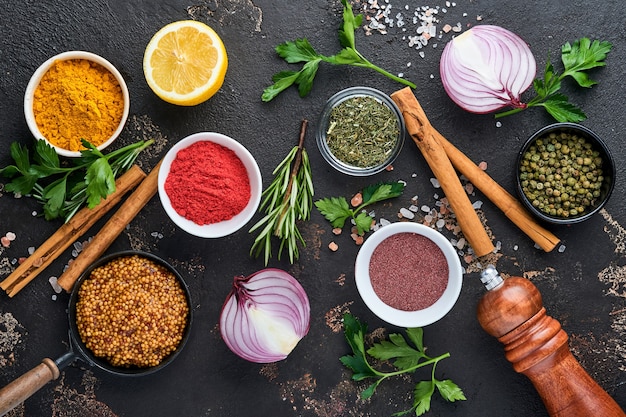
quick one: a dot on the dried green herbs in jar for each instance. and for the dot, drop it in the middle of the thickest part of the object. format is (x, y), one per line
(362, 132)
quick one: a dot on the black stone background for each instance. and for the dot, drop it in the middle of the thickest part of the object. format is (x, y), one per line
(207, 379)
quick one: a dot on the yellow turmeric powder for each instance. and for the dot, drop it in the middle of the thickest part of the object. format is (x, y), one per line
(77, 99)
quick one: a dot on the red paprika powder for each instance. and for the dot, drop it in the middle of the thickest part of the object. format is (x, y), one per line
(207, 183)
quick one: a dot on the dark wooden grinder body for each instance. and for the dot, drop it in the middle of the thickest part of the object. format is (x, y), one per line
(537, 347)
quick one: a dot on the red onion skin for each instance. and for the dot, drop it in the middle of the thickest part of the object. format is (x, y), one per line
(273, 291)
(506, 70)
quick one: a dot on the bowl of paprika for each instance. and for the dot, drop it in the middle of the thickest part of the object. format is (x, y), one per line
(76, 96)
(209, 185)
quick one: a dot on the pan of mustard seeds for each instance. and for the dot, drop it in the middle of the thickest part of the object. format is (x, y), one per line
(129, 315)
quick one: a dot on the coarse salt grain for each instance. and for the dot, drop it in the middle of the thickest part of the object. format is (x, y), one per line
(11, 236)
(55, 285)
(406, 213)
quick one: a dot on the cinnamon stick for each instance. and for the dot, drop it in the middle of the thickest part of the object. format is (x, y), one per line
(68, 233)
(510, 206)
(112, 229)
(426, 138)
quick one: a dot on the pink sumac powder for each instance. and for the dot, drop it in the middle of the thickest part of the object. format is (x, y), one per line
(408, 271)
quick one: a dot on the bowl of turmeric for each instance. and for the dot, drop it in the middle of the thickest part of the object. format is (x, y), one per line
(73, 97)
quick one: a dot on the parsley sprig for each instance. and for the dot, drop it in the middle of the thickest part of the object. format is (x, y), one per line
(301, 50)
(287, 200)
(63, 190)
(577, 58)
(337, 210)
(406, 358)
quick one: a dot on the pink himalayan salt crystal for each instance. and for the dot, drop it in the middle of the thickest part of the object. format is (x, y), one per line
(408, 271)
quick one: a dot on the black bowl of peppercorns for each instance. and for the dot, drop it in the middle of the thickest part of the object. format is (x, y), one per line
(565, 173)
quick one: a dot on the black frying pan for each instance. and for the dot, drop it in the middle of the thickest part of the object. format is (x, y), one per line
(29, 383)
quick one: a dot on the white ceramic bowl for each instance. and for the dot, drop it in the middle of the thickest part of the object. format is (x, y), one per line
(225, 227)
(403, 318)
(34, 83)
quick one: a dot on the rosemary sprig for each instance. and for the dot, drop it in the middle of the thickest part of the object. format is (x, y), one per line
(288, 198)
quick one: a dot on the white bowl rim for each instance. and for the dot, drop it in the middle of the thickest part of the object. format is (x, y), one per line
(403, 318)
(225, 227)
(34, 83)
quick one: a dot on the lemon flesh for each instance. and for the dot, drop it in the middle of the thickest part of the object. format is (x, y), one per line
(185, 63)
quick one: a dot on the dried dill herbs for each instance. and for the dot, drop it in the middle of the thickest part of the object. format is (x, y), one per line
(362, 132)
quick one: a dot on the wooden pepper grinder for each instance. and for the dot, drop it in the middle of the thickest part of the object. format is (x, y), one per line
(536, 345)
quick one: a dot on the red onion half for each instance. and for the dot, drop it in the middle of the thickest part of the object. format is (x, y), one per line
(487, 68)
(265, 316)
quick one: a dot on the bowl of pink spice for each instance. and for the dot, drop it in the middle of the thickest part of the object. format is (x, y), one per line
(209, 185)
(408, 274)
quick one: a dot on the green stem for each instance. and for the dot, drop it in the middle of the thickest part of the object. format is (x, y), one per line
(385, 375)
(367, 64)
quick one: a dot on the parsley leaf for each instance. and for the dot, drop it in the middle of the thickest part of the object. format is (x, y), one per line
(63, 190)
(408, 358)
(301, 50)
(577, 58)
(337, 210)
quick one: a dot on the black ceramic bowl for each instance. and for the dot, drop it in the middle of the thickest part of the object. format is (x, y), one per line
(564, 173)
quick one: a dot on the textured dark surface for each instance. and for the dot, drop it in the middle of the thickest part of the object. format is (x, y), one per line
(583, 286)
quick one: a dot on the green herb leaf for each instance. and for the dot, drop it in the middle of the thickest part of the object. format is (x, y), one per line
(301, 50)
(383, 191)
(363, 222)
(54, 196)
(450, 391)
(100, 181)
(350, 24)
(416, 335)
(584, 55)
(335, 209)
(422, 394)
(562, 110)
(306, 76)
(20, 156)
(20, 184)
(346, 56)
(282, 81)
(397, 348)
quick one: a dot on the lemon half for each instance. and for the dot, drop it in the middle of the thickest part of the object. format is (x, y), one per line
(185, 63)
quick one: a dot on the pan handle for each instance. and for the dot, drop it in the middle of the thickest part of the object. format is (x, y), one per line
(26, 385)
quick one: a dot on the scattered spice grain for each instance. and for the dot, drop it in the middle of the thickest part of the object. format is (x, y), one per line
(408, 271)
